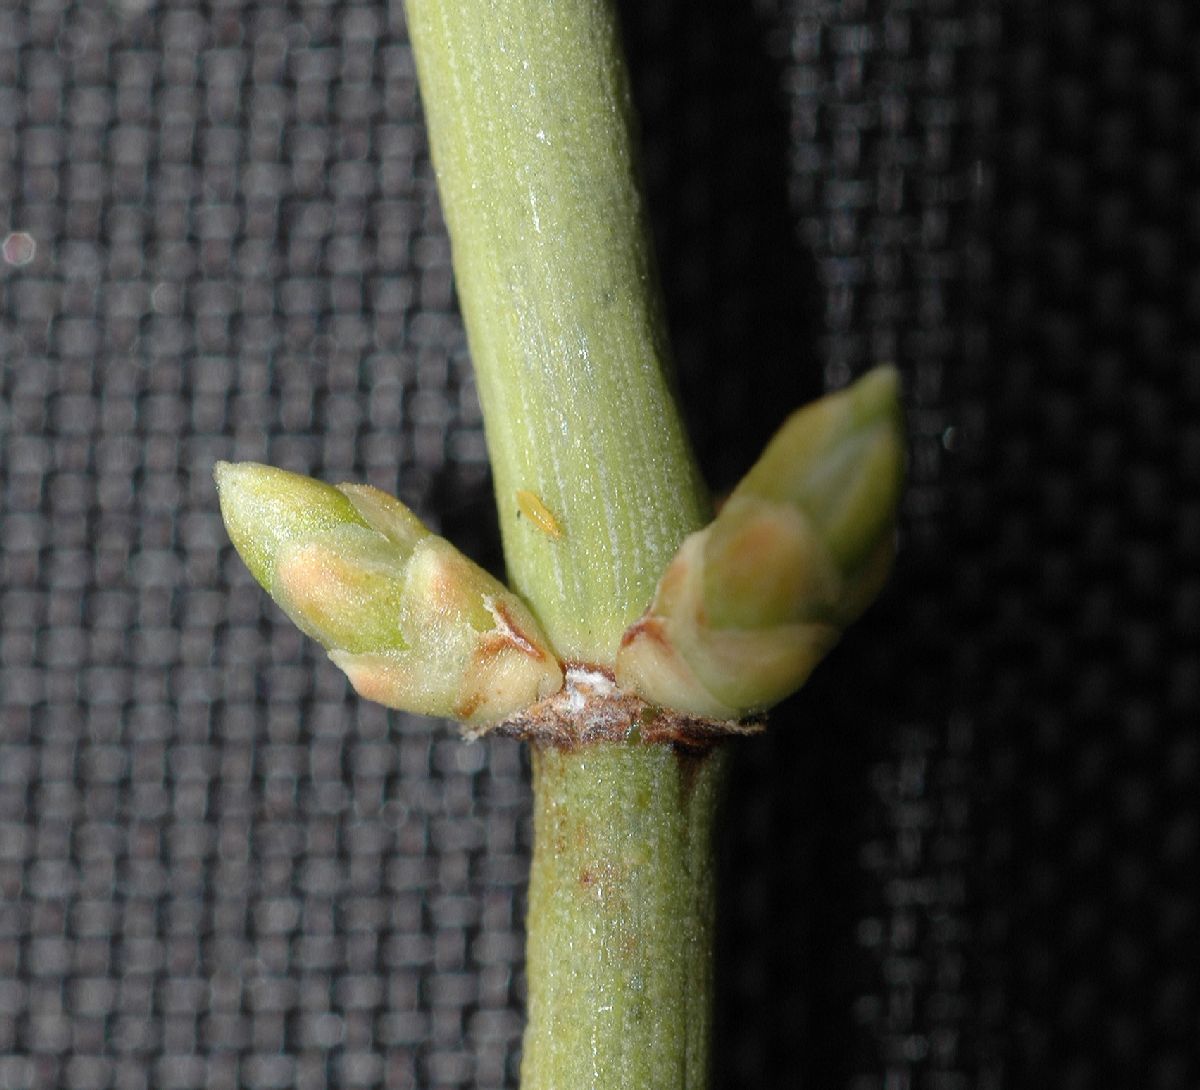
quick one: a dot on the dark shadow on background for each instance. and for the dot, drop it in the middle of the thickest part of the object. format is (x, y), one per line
(741, 299)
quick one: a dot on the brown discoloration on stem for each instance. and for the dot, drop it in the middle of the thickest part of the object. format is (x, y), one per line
(621, 913)
(590, 709)
(602, 880)
(690, 760)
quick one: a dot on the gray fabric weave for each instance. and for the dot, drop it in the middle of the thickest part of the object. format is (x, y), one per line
(966, 855)
(218, 869)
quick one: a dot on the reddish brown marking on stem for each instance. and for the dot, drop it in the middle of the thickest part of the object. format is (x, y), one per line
(603, 880)
(689, 759)
(584, 712)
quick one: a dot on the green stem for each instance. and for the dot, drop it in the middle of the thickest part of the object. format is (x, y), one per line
(621, 918)
(529, 118)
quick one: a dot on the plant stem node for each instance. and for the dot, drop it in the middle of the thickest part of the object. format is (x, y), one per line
(591, 708)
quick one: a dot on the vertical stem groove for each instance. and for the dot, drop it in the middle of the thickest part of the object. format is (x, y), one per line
(529, 118)
(528, 109)
(621, 918)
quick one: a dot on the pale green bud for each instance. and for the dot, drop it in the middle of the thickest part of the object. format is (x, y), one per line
(750, 604)
(413, 622)
(266, 509)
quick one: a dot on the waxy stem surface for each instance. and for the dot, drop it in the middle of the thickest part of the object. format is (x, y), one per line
(621, 917)
(529, 119)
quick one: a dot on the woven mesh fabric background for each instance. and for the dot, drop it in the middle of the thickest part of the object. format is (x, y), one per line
(965, 856)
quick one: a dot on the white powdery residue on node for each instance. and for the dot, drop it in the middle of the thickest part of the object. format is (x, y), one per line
(582, 681)
(594, 694)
